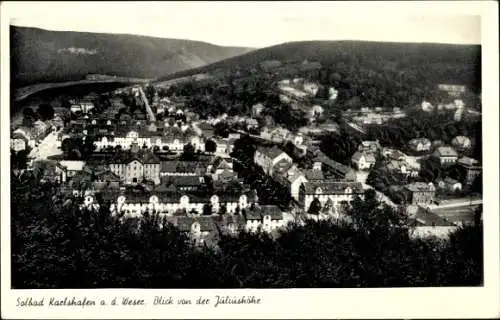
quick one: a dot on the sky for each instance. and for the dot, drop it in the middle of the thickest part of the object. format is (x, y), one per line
(259, 24)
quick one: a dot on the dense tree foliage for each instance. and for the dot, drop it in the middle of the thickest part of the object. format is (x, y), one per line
(372, 74)
(188, 153)
(340, 146)
(210, 146)
(45, 111)
(269, 190)
(77, 148)
(18, 160)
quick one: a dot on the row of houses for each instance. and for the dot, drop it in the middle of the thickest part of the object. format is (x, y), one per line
(138, 165)
(305, 185)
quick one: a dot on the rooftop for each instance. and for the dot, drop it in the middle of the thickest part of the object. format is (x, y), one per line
(338, 167)
(420, 186)
(272, 152)
(469, 162)
(427, 218)
(332, 187)
(72, 165)
(446, 152)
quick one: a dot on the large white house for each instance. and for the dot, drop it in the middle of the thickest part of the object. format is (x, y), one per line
(363, 160)
(68, 168)
(150, 140)
(336, 191)
(446, 155)
(267, 158)
(264, 218)
(134, 166)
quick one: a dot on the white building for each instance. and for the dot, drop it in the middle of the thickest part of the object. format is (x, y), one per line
(136, 166)
(267, 158)
(363, 160)
(150, 140)
(446, 155)
(68, 168)
(336, 191)
(265, 218)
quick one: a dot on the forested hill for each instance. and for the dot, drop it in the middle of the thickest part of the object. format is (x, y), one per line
(391, 61)
(51, 56)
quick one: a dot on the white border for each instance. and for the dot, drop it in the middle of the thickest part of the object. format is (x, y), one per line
(298, 303)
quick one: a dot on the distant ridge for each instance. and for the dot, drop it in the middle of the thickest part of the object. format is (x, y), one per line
(51, 56)
(365, 54)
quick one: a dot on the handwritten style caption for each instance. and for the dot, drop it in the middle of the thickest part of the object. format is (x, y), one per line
(84, 302)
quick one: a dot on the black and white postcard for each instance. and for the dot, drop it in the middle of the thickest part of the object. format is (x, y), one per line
(249, 160)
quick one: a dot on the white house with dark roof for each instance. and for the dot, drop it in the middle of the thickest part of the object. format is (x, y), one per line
(370, 146)
(292, 177)
(267, 158)
(336, 191)
(136, 165)
(266, 218)
(446, 155)
(172, 138)
(363, 160)
(68, 168)
(182, 168)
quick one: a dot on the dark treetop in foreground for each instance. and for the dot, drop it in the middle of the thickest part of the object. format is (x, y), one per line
(57, 245)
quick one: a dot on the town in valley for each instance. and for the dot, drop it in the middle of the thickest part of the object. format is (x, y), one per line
(251, 146)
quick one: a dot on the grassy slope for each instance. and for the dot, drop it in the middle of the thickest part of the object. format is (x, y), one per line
(37, 56)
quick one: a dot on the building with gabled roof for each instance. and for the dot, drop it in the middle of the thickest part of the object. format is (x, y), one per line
(339, 170)
(446, 155)
(363, 160)
(66, 169)
(267, 158)
(336, 191)
(369, 146)
(470, 168)
(136, 165)
(182, 168)
(264, 217)
(420, 193)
